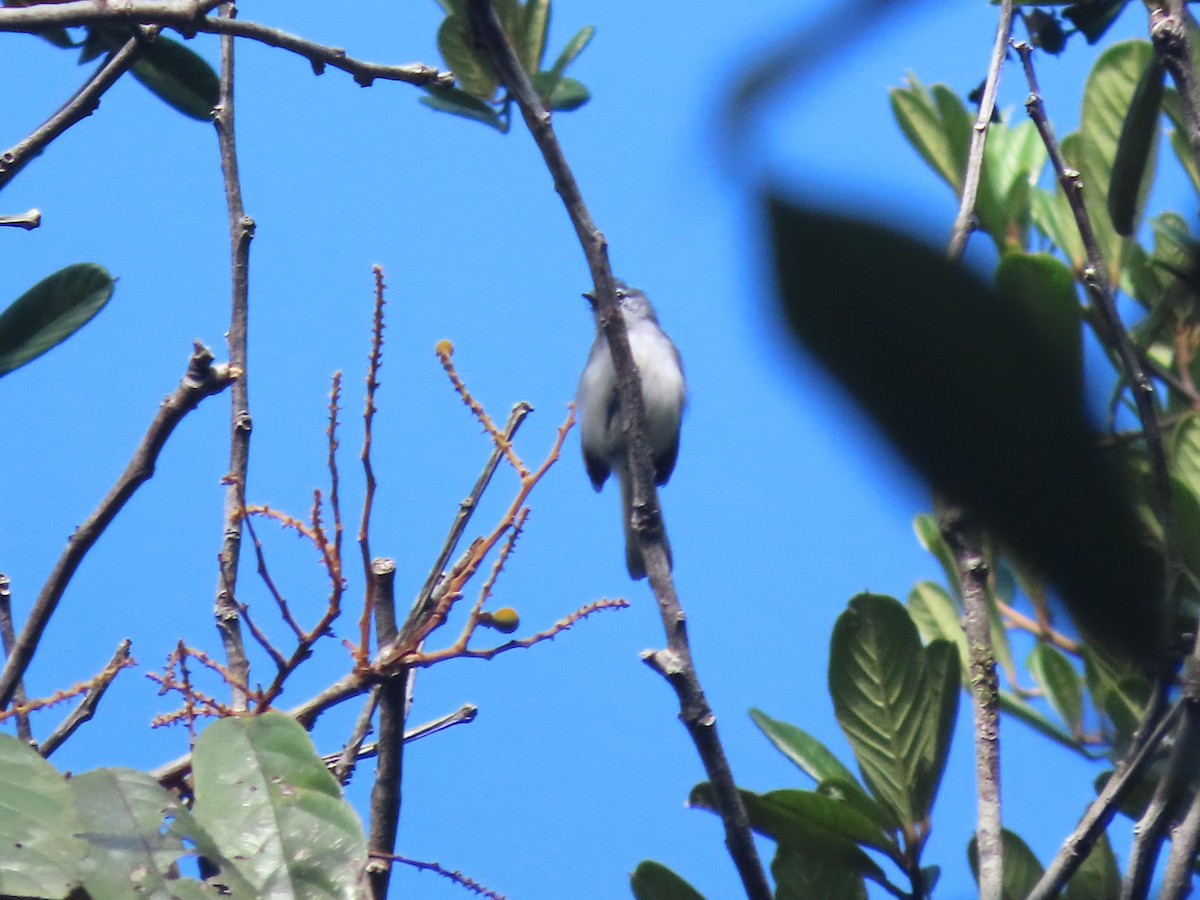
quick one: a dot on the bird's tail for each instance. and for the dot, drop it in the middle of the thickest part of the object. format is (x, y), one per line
(634, 560)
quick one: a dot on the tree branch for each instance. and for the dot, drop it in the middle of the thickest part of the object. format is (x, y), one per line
(189, 18)
(964, 222)
(28, 221)
(241, 231)
(1169, 35)
(79, 107)
(87, 707)
(674, 663)
(8, 637)
(201, 380)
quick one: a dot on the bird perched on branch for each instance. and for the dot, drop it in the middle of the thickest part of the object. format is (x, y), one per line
(602, 424)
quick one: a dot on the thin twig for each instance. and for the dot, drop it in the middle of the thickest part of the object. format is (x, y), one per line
(374, 362)
(1112, 332)
(964, 222)
(674, 663)
(79, 107)
(241, 231)
(28, 221)
(393, 695)
(8, 637)
(342, 764)
(87, 707)
(202, 379)
(457, 877)
(188, 18)
(425, 600)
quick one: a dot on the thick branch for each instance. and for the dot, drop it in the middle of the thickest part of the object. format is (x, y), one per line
(386, 790)
(674, 663)
(201, 380)
(28, 221)
(188, 18)
(1169, 34)
(241, 230)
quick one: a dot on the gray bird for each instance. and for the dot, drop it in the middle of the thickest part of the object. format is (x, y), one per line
(601, 424)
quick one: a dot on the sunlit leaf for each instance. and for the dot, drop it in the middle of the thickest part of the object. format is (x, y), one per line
(1061, 683)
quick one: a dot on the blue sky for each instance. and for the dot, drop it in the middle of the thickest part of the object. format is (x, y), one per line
(783, 505)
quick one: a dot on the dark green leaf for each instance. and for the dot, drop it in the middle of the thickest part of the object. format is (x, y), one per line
(574, 47)
(1021, 868)
(179, 77)
(854, 795)
(1094, 17)
(780, 818)
(1137, 147)
(802, 748)
(904, 331)
(51, 311)
(1116, 690)
(472, 71)
(1097, 877)
(460, 103)
(1052, 215)
(1133, 805)
(804, 874)
(567, 95)
(59, 37)
(535, 27)
(941, 678)
(1107, 96)
(1062, 685)
(876, 680)
(938, 618)
(654, 881)
(1042, 288)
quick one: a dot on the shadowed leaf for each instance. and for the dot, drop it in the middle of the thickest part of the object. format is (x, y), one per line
(654, 881)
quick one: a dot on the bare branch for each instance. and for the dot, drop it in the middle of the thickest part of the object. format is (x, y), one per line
(393, 695)
(202, 379)
(79, 107)
(695, 712)
(457, 877)
(374, 362)
(964, 223)
(241, 231)
(342, 764)
(188, 17)
(8, 637)
(28, 221)
(87, 707)
(1169, 35)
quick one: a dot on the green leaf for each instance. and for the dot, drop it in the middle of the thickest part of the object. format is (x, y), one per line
(1019, 709)
(929, 535)
(901, 328)
(937, 617)
(813, 757)
(1021, 868)
(1116, 690)
(472, 72)
(855, 796)
(179, 77)
(895, 702)
(1107, 97)
(1137, 148)
(1061, 683)
(1097, 877)
(1052, 215)
(270, 804)
(1043, 288)
(39, 853)
(937, 125)
(802, 874)
(574, 47)
(460, 103)
(801, 823)
(535, 27)
(134, 851)
(1178, 136)
(826, 812)
(567, 95)
(51, 311)
(654, 881)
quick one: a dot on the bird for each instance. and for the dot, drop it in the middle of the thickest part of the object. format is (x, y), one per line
(601, 422)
